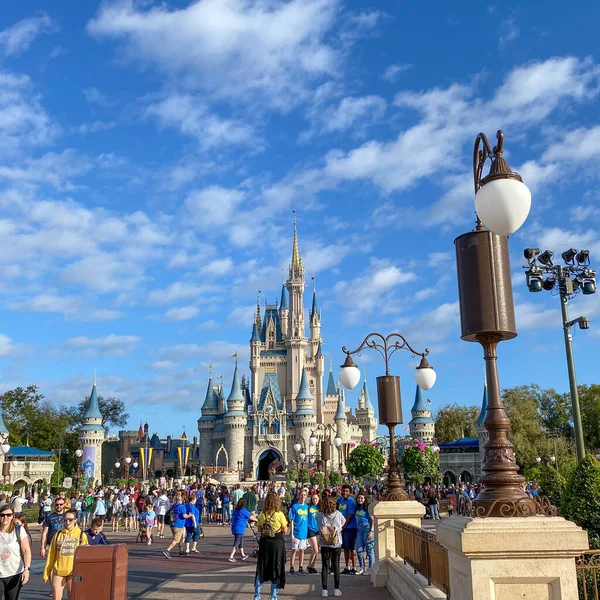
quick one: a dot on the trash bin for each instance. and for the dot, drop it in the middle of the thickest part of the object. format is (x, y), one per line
(100, 573)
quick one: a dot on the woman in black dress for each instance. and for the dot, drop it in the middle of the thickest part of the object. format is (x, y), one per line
(270, 565)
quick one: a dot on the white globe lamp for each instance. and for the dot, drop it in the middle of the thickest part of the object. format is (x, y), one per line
(297, 448)
(135, 465)
(503, 205)
(117, 465)
(128, 460)
(5, 448)
(425, 375)
(349, 374)
(337, 441)
(79, 453)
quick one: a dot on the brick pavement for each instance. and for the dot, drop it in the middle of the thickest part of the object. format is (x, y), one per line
(207, 575)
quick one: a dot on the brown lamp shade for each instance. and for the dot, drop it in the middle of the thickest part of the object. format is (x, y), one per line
(390, 400)
(484, 286)
(325, 450)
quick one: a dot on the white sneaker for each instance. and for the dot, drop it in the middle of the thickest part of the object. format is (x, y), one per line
(337, 593)
(324, 594)
(367, 572)
(360, 571)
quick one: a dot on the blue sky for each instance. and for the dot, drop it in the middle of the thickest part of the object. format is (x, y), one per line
(151, 156)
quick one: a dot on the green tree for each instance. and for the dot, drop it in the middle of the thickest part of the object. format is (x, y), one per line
(453, 422)
(589, 399)
(581, 499)
(365, 460)
(420, 461)
(112, 409)
(291, 476)
(335, 479)
(19, 408)
(317, 479)
(553, 484)
(303, 475)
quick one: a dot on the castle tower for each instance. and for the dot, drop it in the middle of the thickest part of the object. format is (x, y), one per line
(421, 425)
(296, 342)
(482, 432)
(235, 422)
(365, 414)
(91, 436)
(331, 399)
(284, 309)
(315, 324)
(206, 424)
(305, 416)
(341, 421)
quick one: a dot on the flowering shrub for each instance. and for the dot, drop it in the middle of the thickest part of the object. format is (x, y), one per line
(420, 460)
(365, 459)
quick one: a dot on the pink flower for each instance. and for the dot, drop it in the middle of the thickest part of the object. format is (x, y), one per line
(406, 446)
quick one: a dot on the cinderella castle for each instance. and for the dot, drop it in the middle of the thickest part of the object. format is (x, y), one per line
(284, 402)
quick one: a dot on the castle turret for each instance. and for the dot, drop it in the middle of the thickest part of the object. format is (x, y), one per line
(365, 414)
(341, 420)
(284, 309)
(482, 432)
(422, 425)
(206, 423)
(305, 416)
(315, 324)
(91, 435)
(330, 399)
(235, 421)
(296, 342)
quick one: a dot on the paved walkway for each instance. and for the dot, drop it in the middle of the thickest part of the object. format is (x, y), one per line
(237, 583)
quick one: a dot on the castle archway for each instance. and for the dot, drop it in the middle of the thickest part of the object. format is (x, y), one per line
(449, 478)
(466, 477)
(265, 460)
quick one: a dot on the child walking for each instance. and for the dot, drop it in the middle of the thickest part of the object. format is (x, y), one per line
(365, 539)
(241, 516)
(330, 522)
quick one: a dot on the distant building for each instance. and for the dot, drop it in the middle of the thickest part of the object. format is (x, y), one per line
(461, 460)
(27, 469)
(91, 436)
(422, 425)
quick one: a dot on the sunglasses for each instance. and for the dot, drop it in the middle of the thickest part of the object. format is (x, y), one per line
(7, 515)
(59, 505)
(70, 520)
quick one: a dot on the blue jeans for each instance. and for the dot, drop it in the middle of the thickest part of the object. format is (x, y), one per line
(363, 543)
(258, 589)
(226, 511)
(434, 510)
(209, 509)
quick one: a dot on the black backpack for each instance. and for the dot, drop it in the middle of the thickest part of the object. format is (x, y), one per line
(170, 516)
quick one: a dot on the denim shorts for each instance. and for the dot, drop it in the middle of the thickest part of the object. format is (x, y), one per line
(192, 534)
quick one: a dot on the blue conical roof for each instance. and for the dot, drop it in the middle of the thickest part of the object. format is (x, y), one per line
(236, 389)
(315, 307)
(420, 404)
(304, 391)
(3, 428)
(93, 409)
(319, 351)
(283, 305)
(366, 395)
(331, 389)
(483, 412)
(255, 335)
(340, 413)
(211, 400)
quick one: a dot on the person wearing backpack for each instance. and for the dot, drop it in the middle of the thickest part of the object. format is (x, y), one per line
(180, 515)
(162, 506)
(61, 555)
(16, 555)
(270, 565)
(330, 522)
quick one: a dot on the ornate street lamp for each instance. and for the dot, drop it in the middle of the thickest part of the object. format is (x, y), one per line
(487, 315)
(328, 431)
(388, 394)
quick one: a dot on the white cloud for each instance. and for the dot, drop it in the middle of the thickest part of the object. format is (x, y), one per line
(163, 365)
(67, 305)
(110, 345)
(95, 126)
(319, 257)
(178, 291)
(181, 313)
(579, 145)
(214, 206)
(230, 47)
(391, 73)
(530, 315)
(219, 266)
(94, 96)
(509, 32)
(193, 118)
(243, 315)
(7, 348)
(16, 39)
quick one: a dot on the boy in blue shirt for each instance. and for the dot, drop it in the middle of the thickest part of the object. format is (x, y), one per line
(94, 533)
(299, 529)
(347, 506)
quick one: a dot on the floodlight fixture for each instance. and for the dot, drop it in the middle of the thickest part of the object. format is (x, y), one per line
(569, 256)
(549, 283)
(531, 254)
(583, 257)
(588, 287)
(546, 258)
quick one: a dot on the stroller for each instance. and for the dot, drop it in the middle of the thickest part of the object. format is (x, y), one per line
(143, 535)
(255, 539)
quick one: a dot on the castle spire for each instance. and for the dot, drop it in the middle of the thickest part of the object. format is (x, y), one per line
(366, 395)
(257, 319)
(93, 408)
(483, 412)
(340, 413)
(315, 308)
(283, 305)
(296, 266)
